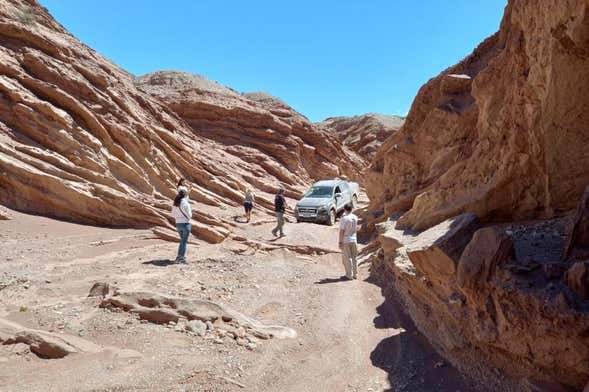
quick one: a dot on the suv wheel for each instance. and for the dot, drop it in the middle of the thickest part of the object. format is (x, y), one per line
(331, 218)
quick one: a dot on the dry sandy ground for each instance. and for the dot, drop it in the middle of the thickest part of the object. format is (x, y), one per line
(348, 340)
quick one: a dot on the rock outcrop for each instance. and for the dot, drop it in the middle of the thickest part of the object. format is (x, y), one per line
(44, 344)
(265, 137)
(503, 133)
(79, 141)
(487, 304)
(364, 134)
(160, 309)
(502, 136)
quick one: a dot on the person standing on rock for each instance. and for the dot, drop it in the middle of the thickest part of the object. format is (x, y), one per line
(182, 213)
(280, 209)
(348, 242)
(248, 203)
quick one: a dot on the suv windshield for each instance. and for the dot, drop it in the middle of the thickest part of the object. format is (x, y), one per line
(319, 191)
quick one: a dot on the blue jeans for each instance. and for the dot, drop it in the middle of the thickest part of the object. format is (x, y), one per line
(184, 231)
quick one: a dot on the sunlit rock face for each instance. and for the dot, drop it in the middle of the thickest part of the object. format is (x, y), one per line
(79, 140)
(364, 134)
(263, 133)
(502, 134)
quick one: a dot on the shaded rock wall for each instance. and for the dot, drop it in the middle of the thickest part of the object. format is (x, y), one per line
(502, 134)
(493, 302)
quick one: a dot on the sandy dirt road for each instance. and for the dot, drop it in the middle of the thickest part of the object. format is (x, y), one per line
(348, 340)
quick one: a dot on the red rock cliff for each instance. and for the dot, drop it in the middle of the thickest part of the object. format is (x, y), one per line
(79, 140)
(504, 133)
(269, 139)
(364, 134)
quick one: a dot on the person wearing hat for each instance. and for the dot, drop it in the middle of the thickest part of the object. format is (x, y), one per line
(279, 208)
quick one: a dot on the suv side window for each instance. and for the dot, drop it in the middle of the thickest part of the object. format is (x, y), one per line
(344, 186)
(337, 190)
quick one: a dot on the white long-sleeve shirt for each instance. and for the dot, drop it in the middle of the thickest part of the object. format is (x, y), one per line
(183, 213)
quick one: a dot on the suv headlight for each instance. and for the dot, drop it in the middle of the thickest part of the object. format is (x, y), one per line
(322, 209)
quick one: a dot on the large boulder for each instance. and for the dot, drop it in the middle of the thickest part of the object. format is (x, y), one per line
(389, 240)
(436, 252)
(489, 248)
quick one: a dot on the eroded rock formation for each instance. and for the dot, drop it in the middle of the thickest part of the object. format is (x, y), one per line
(483, 299)
(161, 309)
(79, 141)
(49, 345)
(266, 137)
(364, 134)
(502, 134)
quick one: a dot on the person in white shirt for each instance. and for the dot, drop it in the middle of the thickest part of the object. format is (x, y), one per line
(182, 213)
(348, 242)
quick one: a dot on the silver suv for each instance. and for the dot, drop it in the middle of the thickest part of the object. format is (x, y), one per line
(325, 200)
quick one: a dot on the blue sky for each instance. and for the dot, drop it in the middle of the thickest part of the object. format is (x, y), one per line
(325, 58)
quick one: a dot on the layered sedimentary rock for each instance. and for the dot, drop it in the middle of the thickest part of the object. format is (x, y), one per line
(79, 141)
(502, 134)
(364, 134)
(492, 299)
(267, 138)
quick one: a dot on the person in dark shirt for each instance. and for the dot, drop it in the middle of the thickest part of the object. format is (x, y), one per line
(279, 208)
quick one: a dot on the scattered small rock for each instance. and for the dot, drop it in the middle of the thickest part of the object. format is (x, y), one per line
(239, 332)
(196, 326)
(99, 289)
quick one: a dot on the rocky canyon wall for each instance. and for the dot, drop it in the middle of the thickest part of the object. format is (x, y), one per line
(502, 134)
(364, 134)
(270, 140)
(475, 192)
(80, 141)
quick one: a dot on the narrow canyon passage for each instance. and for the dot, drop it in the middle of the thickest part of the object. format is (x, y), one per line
(348, 339)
